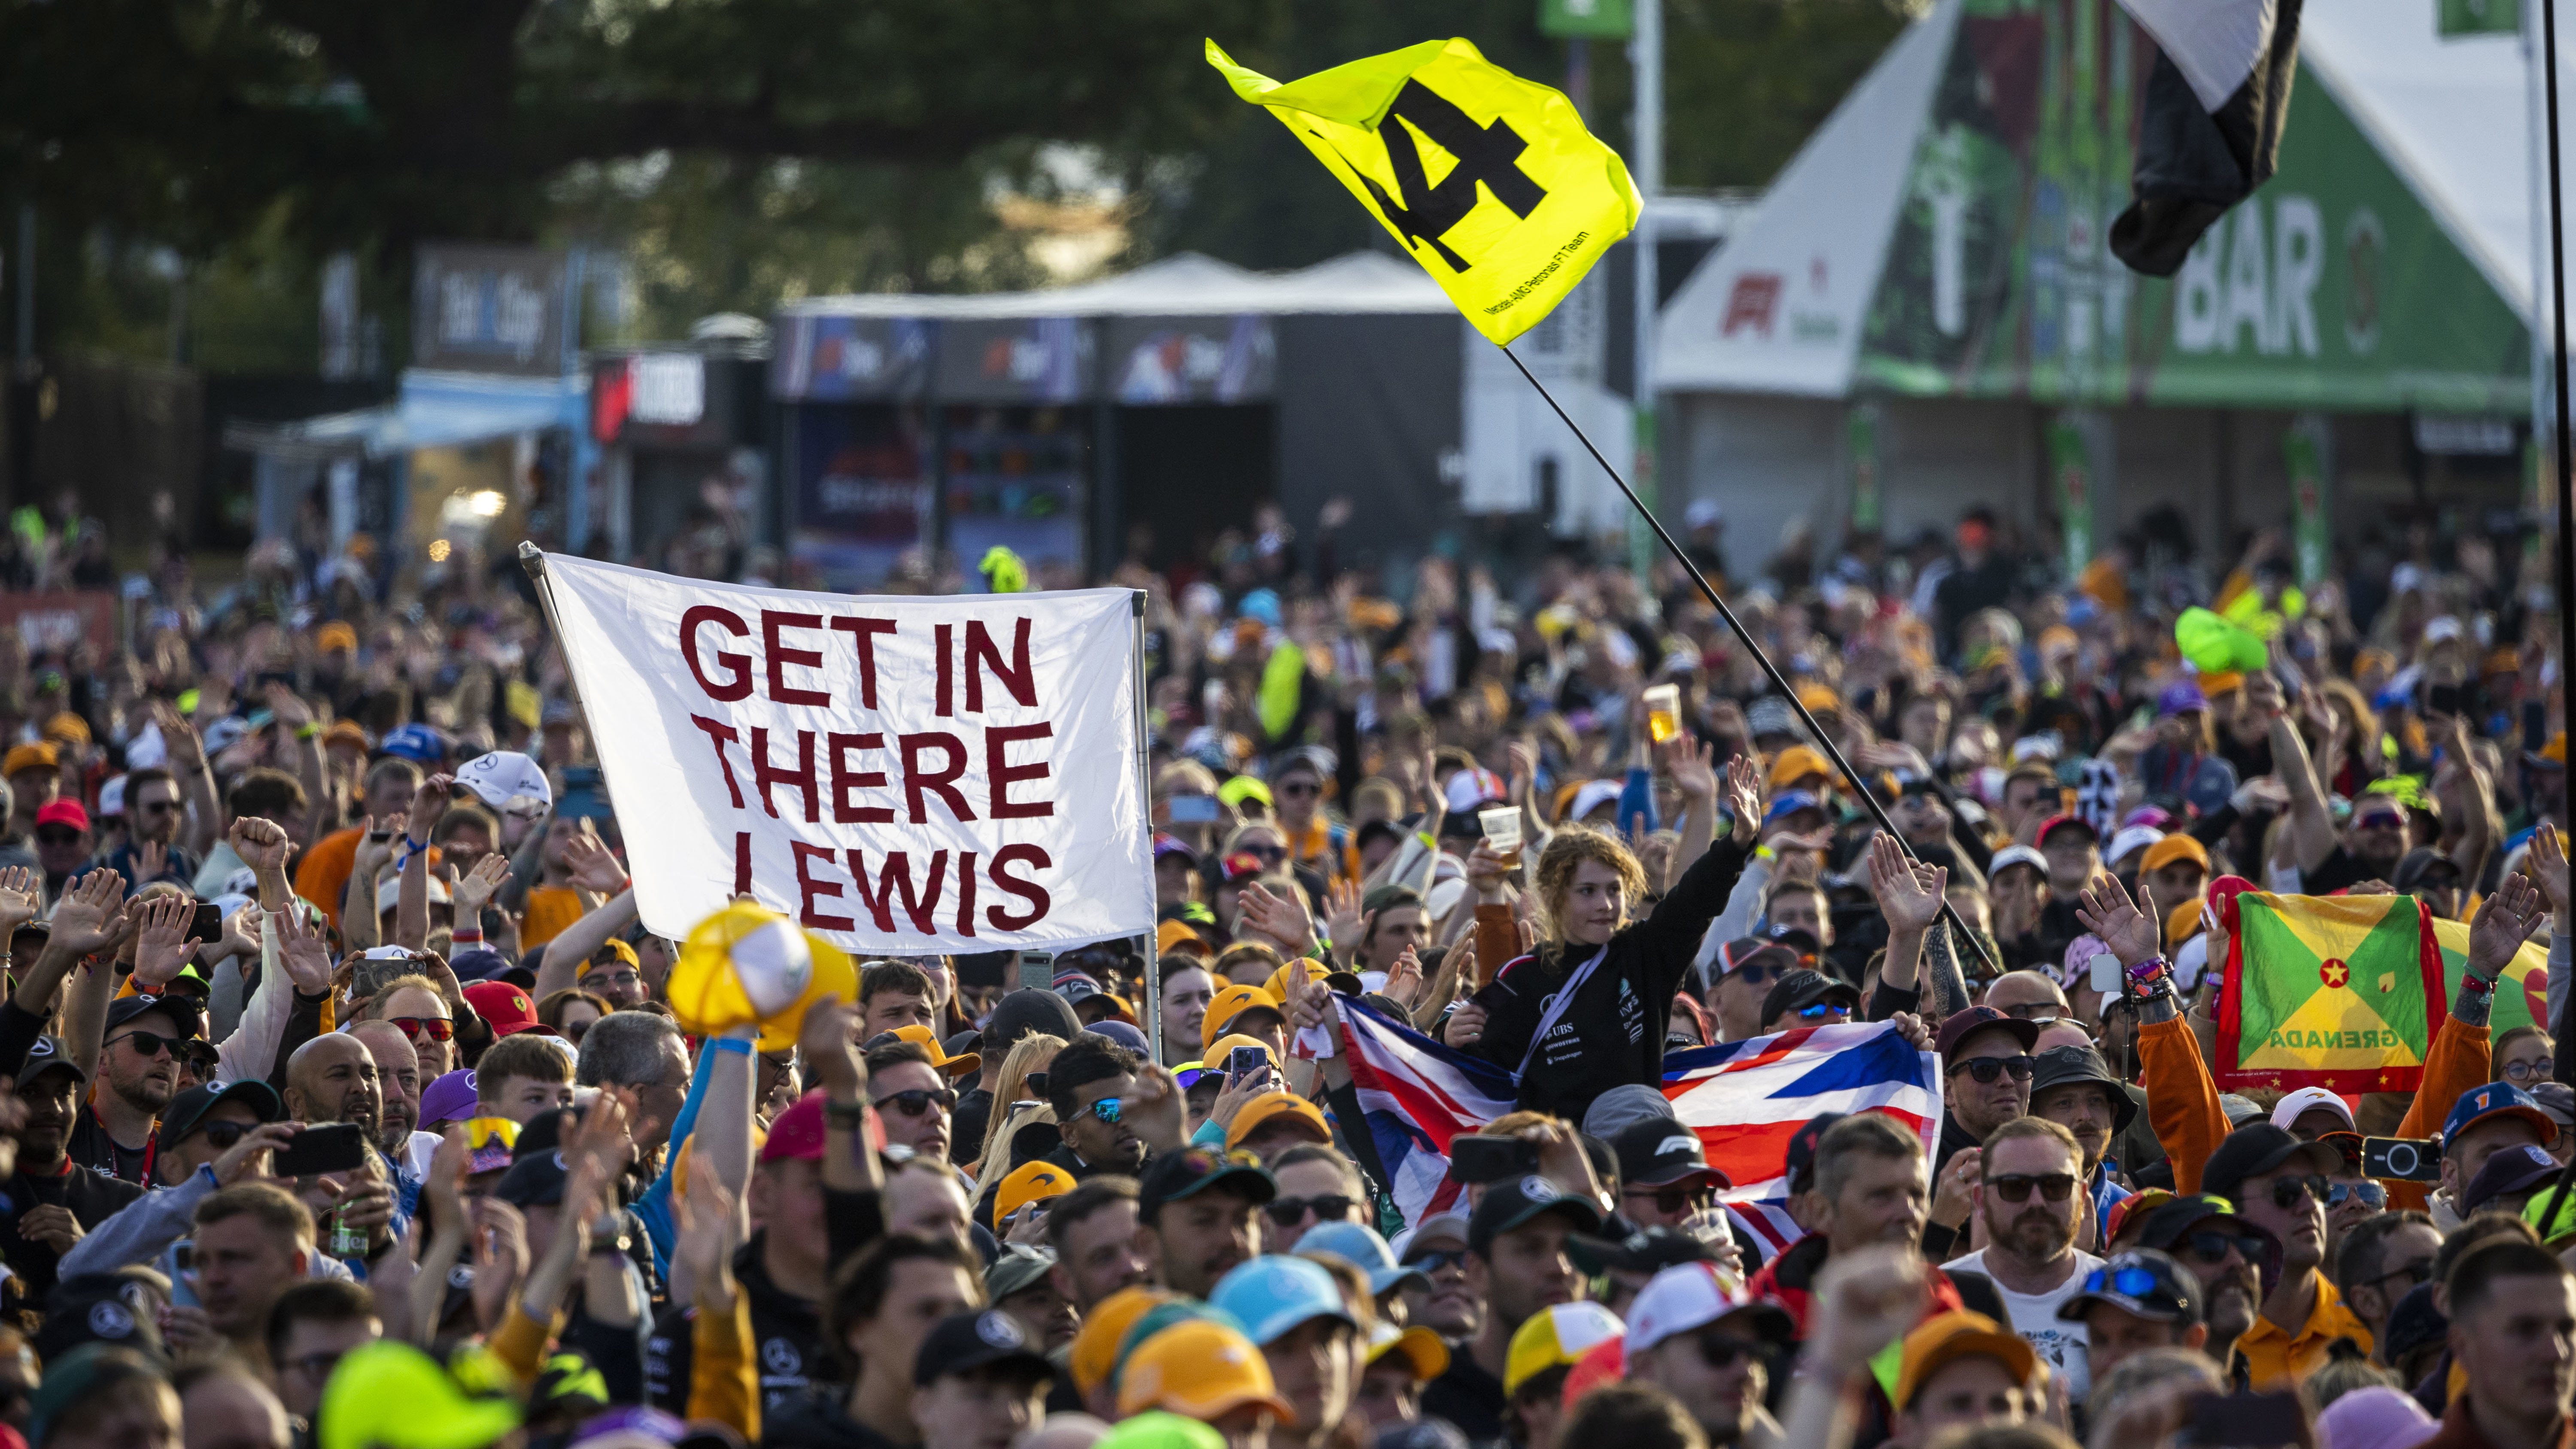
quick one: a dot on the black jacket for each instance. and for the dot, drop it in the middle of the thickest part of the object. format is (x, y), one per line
(92, 1196)
(815, 1419)
(786, 1333)
(1613, 1034)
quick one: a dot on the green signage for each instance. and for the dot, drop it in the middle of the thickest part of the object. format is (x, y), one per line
(2481, 17)
(2306, 450)
(1596, 19)
(2332, 287)
(1860, 446)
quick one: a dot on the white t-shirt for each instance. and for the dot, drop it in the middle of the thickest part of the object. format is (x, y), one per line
(2059, 1344)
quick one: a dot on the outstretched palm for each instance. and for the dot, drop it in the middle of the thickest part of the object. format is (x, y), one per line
(1909, 892)
(2124, 925)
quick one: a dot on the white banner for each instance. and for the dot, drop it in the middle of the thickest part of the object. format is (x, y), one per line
(900, 774)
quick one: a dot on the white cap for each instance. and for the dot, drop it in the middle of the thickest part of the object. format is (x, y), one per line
(2191, 963)
(391, 891)
(2016, 855)
(1591, 795)
(503, 776)
(2308, 1099)
(2135, 837)
(111, 797)
(1680, 1299)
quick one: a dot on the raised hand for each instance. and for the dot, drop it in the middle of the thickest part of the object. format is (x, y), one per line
(1909, 892)
(1281, 919)
(706, 1241)
(1865, 1300)
(22, 897)
(2504, 921)
(474, 890)
(501, 1257)
(292, 712)
(375, 854)
(89, 917)
(1404, 979)
(2548, 865)
(187, 754)
(261, 844)
(1342, 916)
(302, 949)
(1688, 761)
(823, 1043)
(1744, 797)
(165, 945)
(593, 867)
(428, 805)
(2127, 927)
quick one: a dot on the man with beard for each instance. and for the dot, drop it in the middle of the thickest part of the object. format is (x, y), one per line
(407, 1150)
(2279, 1185)
(1516, 1265)
(912, 1099)
(2073, 1087)
(2227, 1255)
(2139, 1299)
(2029, 1199)
(138, 1073)
(333, 1079)
(211, 1138)
(1094, 1086)
(1986, 1064)
(1093, 1232)
(2380, 1260)
(1196, 1213)
(1699, 1336)
(56, 1202)
(2513, 1317)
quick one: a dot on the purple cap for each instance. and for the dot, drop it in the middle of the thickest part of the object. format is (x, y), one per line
(449, 1099)
(2179, 697)
(480, 963)
(1123, 1034)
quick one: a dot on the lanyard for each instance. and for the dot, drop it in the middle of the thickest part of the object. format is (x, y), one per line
(1557, 1004)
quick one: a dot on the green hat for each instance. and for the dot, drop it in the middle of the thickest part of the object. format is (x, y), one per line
(390, 1395)
(1241, 788)
(1159, 1430)
(95, 1367)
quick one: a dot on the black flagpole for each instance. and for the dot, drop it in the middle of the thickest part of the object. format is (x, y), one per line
(1780, 681)
(2565, 1065)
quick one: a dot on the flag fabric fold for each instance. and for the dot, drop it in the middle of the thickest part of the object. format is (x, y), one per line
(1489, 181)
(1746, 1099)
(1415, 1094)
(2340, 992)
(2210, 131)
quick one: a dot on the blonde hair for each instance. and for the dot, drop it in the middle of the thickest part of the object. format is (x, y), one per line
(1570, 846)
(1030, 1053)
(375, 1005)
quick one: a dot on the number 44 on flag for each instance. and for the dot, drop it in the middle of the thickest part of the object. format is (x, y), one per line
(1490, 181)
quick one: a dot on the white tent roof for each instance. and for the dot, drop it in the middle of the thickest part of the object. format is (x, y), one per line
(1185, 285)
(1781, 306)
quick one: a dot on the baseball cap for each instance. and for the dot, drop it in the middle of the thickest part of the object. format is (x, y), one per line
(2496, 1099)
(1622, 1106)
(535, 1179)
(1201, 1369)
(63, 812)
(1945, 1337)
(2177, 846)
(1230, 1003)
(1797, 990)
(2012, 855)
(1793, 764)
(51, 1054)
(1647, 1250)
(1274, 1106)
(1690, 1296)
(1802, 1148)
(1660, 1152)
(2258, 1148)
(2061, 1066)
(2511, 1169)
(500, 777)
(389, 894)
(961, 1343)
(797, 1135)
(1172, 1176)
(2288, 1110)
(1790, 802)
(1554, 1337)
(1029, 1182)
(1424, 1349)
(188, 1109)
(2413, 1323)
(2169, 1223)
(1468, 789)
(1273, 1294)
(1095, 1347)
(506, 1007)
(390, 1395)
(96, 1308)
(1360, 1246)
(2557, 1101)
(1959, 1025)
(418, 743)
(21, 758)
(1514, 1203)
(2144, 1282)
(2055, 823)
(448, 1098)
(1435, 1232)
(940, 1061)
(1158, 1430)
(1746, 951)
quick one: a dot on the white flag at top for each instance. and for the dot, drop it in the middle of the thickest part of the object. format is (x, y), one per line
(899, 774)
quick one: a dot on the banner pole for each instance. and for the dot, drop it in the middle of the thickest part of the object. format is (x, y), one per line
(1153, 993)
(1779, 680)
(2564, 1067)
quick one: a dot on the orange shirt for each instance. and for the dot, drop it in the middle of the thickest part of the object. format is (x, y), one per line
(550, 910)
(323, 875)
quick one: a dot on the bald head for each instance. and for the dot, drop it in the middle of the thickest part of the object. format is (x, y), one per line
(2025, 989)
(228, 1409)
(2066, 1031)
(333, 1078)
(397, 1080)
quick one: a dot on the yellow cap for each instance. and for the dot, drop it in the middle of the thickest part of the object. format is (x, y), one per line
(1416, 1345)
(1277, 985)
(1200, 1370)
(30, 757)
(1094, 1350)
(1230, 1003)
(1270, 1106)
(940, 1061)
(2177, 846)
(1172, 935)
(748, 965)
(334, 635)
(2218, 682)
(67, 727)
(1936, 1341)
(1554, 1337)
(1819, 696)
(1796, 763)
(1029, 1182)
(1223, 1047)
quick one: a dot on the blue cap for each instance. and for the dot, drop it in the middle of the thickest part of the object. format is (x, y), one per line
(415, 742)
(1273, 1294)
(2496, 1099)
(1359, 1245)
(1789, 802)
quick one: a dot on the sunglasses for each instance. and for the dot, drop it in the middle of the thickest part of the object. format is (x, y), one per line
(2286, 1191)
(1435, 1259)
(152, 1044)
(1986, 1069)
(919, 1100)
(2213, 1247)
(2372, 1195)
(2127, 1282)
(222, 1135)
(438, 1027)
(157, 807)
(2042, 1012)
(1756, 975)
(1724, 1351)
(1107, 1109)
(2016, 1186)
(1288, 1212)
(58, 837)
(1821, 1010)
(2379, 820)
(1670, 1200)
(1295, 789)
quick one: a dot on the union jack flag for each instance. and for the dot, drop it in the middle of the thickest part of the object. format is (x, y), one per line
(1416, 1094)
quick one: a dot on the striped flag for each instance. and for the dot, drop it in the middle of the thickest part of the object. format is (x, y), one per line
(1746, 1099)
(1415, 1094)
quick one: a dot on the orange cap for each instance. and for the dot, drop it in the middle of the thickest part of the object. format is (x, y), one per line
(1200, 1370)
(2177, 846)
(1796, 763)
(1029, 1182)
(1094, 1351)
(1230, 1003)
(1271, 1106)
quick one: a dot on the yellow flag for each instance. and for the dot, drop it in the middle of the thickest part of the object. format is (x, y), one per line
(1490, 180)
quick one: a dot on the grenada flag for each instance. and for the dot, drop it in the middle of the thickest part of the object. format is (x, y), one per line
(2339, 992)
(2522, 991)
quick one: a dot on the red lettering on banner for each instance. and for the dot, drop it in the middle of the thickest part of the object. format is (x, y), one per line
(896, 879)
(780, 656)
(940, 634)
(845, 807)
(1027, 890)
(1016, 675)
(741, 861)
(740, 686)
(808, 888)
(721, 735)
(1000, 774)
(764, 774)
(966, 894)
(943, 782)
(862, 634)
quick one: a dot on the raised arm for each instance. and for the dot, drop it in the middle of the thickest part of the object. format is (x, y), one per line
(2311, 826)
(88, 919)
(1909, 895)
(411, 898)
(595, 870)
(1688, 762)
(186, 757)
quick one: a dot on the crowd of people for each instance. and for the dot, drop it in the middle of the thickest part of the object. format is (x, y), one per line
(346, 1106)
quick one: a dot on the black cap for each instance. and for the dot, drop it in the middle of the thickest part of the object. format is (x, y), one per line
(1958, 1026)
(1797, 939)
(2144, 1282)
(2412, 1324)
(1172, 1176)
(2171, 1222)
(543, 1133)
(2510, 1169)
(1658, 1152)
(2257, 1148)
(961, 1343)
(1648, 1250)
(534, 1180)
(1802, 988)
(1751, 951)
(49, 1054)
(1514, 1202)
(1802, 1148)
(2061, 1066)
(98, 1308)
(190, 1107)
(1031, 1008)
(189, 1013)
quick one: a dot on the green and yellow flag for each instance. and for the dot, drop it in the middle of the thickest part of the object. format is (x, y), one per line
(2340, 992)
(1489, 180)
(2522, 991)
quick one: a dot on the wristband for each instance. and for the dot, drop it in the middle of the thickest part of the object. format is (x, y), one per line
(845, 1116)
(466, 938)
(2147, 975)
(739, 1046)
(307, 731)
(2470, 980)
